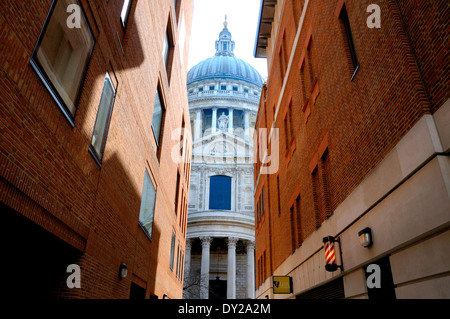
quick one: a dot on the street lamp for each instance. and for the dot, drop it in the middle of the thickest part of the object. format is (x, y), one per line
(365, 237)
(123, 270)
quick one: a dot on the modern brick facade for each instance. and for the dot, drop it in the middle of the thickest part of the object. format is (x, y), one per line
(363, 142)
(59, 206)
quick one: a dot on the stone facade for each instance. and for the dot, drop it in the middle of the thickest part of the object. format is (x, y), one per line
(223, 95)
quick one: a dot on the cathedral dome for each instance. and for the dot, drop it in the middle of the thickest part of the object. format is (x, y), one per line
(224, 65)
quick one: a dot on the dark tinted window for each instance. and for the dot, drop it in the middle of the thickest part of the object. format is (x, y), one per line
(220, 193)
(62, 54)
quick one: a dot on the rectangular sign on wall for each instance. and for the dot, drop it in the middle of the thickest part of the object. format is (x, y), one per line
(282, 285)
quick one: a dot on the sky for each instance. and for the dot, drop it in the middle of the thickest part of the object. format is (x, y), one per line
(242, 17)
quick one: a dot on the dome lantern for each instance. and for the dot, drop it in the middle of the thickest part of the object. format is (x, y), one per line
(225, 44)
(224, 65)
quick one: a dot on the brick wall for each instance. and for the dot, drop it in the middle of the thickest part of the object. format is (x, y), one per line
(47, 173)
(333, 130)
(421, 18)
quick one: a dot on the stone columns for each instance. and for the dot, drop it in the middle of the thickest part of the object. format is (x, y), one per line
(214, 120)
(198, 125)
(251, 269)
(204, 272)
(246, 125)
(187, 280)
(187, 258)
(230, 121)
(231, 270)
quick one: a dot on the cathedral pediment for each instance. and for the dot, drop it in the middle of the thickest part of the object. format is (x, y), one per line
(222, 144)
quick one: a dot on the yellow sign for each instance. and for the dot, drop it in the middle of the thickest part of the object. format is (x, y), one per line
(282, 285)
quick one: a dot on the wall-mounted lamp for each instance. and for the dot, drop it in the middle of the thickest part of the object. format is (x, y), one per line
(165, 296)
(123, 270)
(330, 254)
(365, 237)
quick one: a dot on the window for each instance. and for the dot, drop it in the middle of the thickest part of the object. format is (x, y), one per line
(299, 225)
(176, 8)
(264, 265)
(282, 56)
(258, 211)
(125, 14)
(287, 130)
(223, 87)
(181, 271)
(293, 230)
(350, 45)
(291, 125)
(260, 206)
(321, 189)
(183, 131)
(103, 119)
(147, 211)
(278, 193)
(325, 169)
(178, 260)
(273, 112)
(262, 201)
(310, 65)
(177, 192)
(302, 83)
(158, 118)
(315, 189)
(259, 277)
(61, 56)
(220, 192)
(172, 251)
(211, 87)
(168, 48)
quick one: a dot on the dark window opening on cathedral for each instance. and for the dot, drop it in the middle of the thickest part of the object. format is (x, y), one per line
(220, 192)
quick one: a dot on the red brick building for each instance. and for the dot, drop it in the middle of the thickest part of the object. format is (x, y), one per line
(92, 179)
(357, 102)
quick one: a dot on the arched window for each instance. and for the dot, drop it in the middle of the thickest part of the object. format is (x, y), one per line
(220, 192)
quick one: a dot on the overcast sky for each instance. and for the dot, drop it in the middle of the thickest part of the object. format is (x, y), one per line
(242, 17)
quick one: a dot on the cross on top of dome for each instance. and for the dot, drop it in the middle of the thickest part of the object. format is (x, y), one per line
(225, 44)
